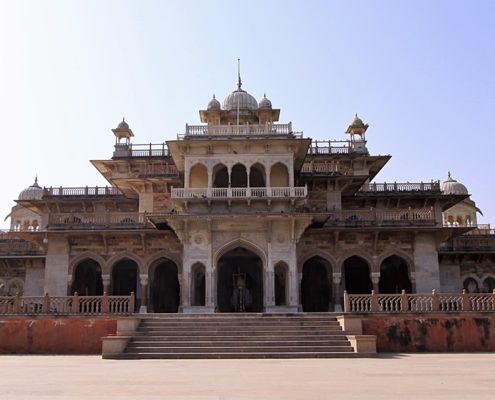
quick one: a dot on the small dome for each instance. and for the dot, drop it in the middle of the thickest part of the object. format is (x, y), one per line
(265, 103)
(214, 104)
(451, 186)
(239, 98)
(123, 125)
(357, 122)
(33, 192)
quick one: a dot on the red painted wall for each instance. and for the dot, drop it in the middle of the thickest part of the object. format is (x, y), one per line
(49, 335)
(431, 332)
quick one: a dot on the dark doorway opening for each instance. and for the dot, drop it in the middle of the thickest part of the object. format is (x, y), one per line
(240, 282)
(198, 285)
(165, 288)
(357, 276)
(394, 277)
(125, 279)
(87, 279)
(238, 176)
(315, 285)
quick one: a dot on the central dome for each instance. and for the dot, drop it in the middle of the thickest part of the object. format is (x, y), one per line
(241, 98)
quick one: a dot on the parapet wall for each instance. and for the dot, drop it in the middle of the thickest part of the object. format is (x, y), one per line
(431, 332)
(52, 335)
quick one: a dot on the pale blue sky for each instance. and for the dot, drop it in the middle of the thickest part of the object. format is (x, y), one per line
(421, 73)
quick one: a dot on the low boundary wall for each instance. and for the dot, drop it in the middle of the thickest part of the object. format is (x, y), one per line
(54, 335)
(431, 332)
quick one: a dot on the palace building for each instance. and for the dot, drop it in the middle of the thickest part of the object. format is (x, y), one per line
(241, 213)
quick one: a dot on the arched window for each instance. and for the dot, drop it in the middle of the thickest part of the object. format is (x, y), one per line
(220, 176)
(279, 175)
(471, 285)
(489, 285)
(198, 176)
(257, 176)
(238, 176)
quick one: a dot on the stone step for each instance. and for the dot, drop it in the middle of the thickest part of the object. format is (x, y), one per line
(258, 332)
(238, 349)
(238, 355)
(239, 325)
(233, 343)
(239, 338)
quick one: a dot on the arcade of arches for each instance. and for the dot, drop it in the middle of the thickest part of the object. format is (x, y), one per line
(240, 283)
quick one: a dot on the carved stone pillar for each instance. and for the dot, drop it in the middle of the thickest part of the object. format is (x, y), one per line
(375, 280)
(144, 294)
(105, 279)
(336, 280)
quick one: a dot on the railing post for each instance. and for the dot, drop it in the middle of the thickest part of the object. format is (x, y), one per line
(404, 302)
(17, 304)
(347, 302)
(435, 305)
(105, 303)
(131, 303)
(374, 301)
(46, 304)
(466, 303)
(75, 304)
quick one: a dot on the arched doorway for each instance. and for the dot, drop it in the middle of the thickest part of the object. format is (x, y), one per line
(315, 286)
(125, 275)
(87, 279)
(198, 176)
(220, 176)
(257, 176)
(281, 275)
(238, 176)
(279, 175)
(198, 285)
(471, 285)
(394, 277)
(165, 287)
(240, 282)
(489, 285)
(356, 273)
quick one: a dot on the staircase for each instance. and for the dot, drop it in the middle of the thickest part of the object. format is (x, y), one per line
(204, 336)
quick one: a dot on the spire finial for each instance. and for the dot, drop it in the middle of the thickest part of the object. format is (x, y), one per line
(239, 83)
(36, 179)
(213, 95)
(449, 176)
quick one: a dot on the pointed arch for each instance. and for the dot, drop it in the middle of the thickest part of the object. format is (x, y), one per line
(121, 256)
(317, 253)
(239, 242)
(159, 255)
(394, 252)
(87, 255)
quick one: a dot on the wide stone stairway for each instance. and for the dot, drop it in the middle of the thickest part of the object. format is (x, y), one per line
(203, 336)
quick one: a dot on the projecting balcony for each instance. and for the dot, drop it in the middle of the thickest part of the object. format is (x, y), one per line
(97, 221)
(131, 150)
(382, 217)
(337, 147)
(85, 191)
(207, 131)
(11, 246)
(240, 193)
(470, 243)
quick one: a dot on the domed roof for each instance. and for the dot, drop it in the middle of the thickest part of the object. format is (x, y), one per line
(241, 98)
(33, 192)
(451, 186)
(214, 104)
(123, 125)
(265, 103)
(357, 122)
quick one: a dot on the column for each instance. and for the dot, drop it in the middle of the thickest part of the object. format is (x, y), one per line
(375, 280)
(143, 309)
(69, 284)
(336, 279)
(105, 279)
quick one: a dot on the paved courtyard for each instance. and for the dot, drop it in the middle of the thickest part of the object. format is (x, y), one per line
(393, 376)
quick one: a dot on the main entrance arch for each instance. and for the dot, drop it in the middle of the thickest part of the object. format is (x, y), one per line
(394, 277)
(315, 285)
(240, 281)
(165, 287)
(87, 279)
(125, 274)
(357, 276)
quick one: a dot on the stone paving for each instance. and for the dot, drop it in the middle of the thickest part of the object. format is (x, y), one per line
(390, 376)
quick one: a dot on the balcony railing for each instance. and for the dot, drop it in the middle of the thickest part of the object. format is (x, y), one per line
(239, 130)
(123, 150)
(396, 187)
(405, 302)
(470, 243)
(239, 193)
(85, 191)
(322, 168)
(107, 220)
(92, 305)
(336, 147)
(382, 217)
(15, 247)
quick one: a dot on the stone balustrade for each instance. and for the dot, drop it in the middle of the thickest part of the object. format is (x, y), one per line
(372, 217)
(239, 130)
(114, 220)
(85, 191)
(62, 305)
(470, 243)
(239, 193)
(406, 302)
(12, 246)
(151, 150)
(396, 187)
(325, 168)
